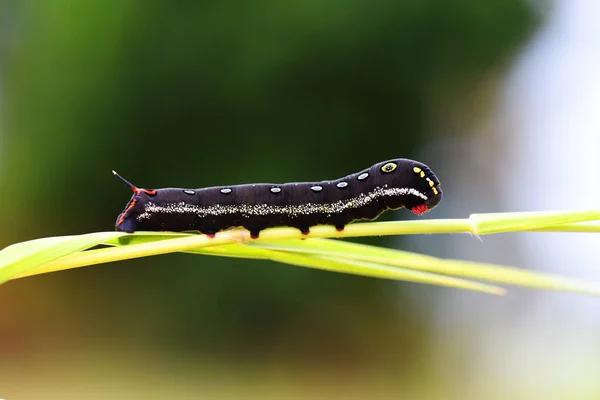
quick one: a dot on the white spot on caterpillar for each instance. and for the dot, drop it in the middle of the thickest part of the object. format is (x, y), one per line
(226, 191)
(316, 188)
(267, 209)
(362, 176)
(342, 185)
(190, 192)
(275, 190)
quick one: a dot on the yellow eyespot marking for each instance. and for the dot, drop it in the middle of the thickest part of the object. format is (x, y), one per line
(389, 167)
(421, 174)
(419, 171)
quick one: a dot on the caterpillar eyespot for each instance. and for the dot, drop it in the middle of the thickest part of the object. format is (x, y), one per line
(301, 205)
(389, 167)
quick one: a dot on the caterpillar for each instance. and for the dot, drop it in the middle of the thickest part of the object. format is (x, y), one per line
(389, 185)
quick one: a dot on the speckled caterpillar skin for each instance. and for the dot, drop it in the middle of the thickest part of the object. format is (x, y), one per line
(388, 185)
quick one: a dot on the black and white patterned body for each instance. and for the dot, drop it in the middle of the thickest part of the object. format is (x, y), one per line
(388, 185)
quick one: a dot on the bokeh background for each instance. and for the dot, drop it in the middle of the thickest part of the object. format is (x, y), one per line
(499, 97)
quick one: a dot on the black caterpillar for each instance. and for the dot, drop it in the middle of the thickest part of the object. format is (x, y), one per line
(389, 185)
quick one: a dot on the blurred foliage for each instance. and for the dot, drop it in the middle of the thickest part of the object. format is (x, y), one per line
(196, 93)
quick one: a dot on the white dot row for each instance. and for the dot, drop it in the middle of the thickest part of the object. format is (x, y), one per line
(315, 188)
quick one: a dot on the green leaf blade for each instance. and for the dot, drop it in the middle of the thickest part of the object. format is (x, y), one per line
(282, 245)
(23, 257)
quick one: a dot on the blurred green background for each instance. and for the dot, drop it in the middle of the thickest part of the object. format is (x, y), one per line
(192, 94)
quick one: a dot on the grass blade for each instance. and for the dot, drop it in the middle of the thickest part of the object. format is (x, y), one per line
(485, 224)
(349, 266)
(281, 244)
(20, 258)
(465, 269)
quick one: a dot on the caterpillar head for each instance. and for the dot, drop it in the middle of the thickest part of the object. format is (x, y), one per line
(418, 184)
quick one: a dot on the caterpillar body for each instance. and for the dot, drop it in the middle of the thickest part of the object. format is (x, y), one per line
(389, 185)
